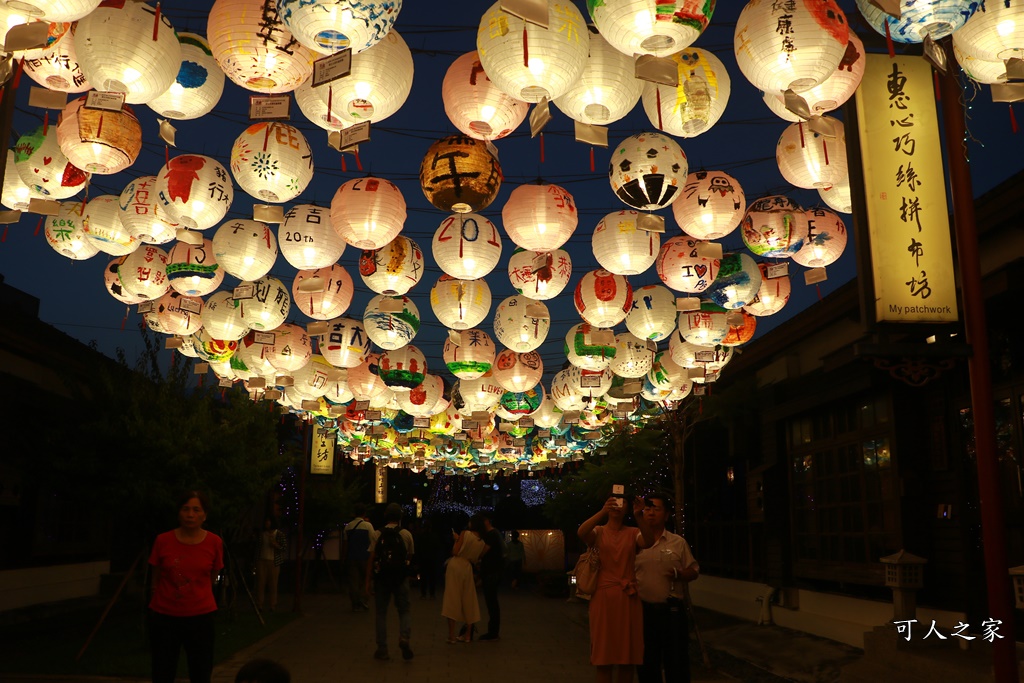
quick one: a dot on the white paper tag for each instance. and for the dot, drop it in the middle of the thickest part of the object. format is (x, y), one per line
(109, 101)
(269, 107)
(242, 292)
(777, 270)
(190, 305)
(264, 338)
(332, 67)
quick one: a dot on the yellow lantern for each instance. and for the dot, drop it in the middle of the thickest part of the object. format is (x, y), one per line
(272, 161)
(621, 247)
(97, 140)
(697, 103)
(459, 174)
(368, 212)
(475, 105)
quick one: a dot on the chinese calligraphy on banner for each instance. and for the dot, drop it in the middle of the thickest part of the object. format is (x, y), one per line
(321, 459)
(905, 187)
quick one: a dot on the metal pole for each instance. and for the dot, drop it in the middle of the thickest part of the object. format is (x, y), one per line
(993, 531)
(307, 440)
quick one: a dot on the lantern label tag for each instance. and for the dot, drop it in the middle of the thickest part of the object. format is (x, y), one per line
(332, 67)
(190, 237)
(264, 338)
(1014, 68)
(108, 101)
(539, 311)
(660, 70)
(504, 426)
(649, 222)
(190, 305)
(591, 134)
(336, 411)
(317, 329)
(685, 304)
(544, 433)
(337, 374)
(351, 137)
(44, 207)
(704, 356)
(734, 318)
(891, 7)
(9, 217)
(200, 368)
(455, 338)
(167, 132)
(362, 405)
(284, 381)
(225, 382)
(145, 307)
(257, 383)
(526, 422)
(372, 414)
(560, 441)
(174, 343)
(392, 305)
(778, 270)
(530, 11)
(421, 422)
(243, 292)
(709, 250)
(814, 275)
(47, 99)
(571, 417)
(1001, 92)
(269, 107)
(470, 424)
(310, 405)
(29, 36)
(273, 395)
(267, 214)
(460, 436)
(539, 117)
(700, 390)
(519, 443)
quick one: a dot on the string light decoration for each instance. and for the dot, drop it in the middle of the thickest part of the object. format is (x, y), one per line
(194, 190)
(97, 140)
(466, 246)
(307, 238)
(646, 171)
(682, 266)
(621, 247)
(324, 293)
(393, 269)
(141, 215)
(193, 269)
(540, 216)
(460, 304)
(143, 273)
(57, 67)
(346, 343)
(197, 88)
(737, 282)
(825, 241)
(917, 20)
(103, 228)
(633, 358)
(179, 314)
(539, 276)
(811, 159)
(43, 166)
(521, 324)
(774, 227)
(838, 197)
(245, 249)
(391, 329)
(652, 313)
(65, 232)
(771, 296)
(377, 86)
(368, 212)
(222, 317)
(606, 90)
(327, 26)
(272, 161)
(584, 351)
(475, 105)
(697, 103)
(471, 356)
(518, 372)
(269, 306)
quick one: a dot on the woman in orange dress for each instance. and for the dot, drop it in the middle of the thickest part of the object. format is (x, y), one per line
(616, 615)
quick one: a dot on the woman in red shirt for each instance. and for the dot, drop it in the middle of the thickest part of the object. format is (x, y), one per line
(186, 562)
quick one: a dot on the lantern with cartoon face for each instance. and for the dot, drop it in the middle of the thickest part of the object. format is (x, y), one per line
(711, 206)
(518, 372)
(421, 399)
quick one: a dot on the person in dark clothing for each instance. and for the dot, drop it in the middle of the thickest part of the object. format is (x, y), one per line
(355, 542)
(492, 563)
(427, 547)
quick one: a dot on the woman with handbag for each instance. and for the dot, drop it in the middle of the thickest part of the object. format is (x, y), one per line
(616, 616)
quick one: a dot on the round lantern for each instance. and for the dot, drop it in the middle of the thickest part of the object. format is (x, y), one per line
(623, 248)
(475, 105)
(741, 333)
(102, 225)
(682, 266)
(838, 196)
(633, 357)
(65, 232)
(471, 357)
(482, 393)
(590, 383)
(460, 304)
(522, 403)
(44, 168)
(539, 276)
(402, 369)
(834, 91)
(548, 415)
(194, 190)
(55, 10)
(774, 227)
(651, 27)
(254, 47)
(16, 194)
(737, 283)
(128, 47)
(777, 105)
(518, 372)
(324, 293)
(377, 86)
(652, 314)
(198, 85)
(313, 379)
(421, 399)
(394, 268)
(995, 32)
(327, 26)
(539, 217)
(936, 18)
(211, 349)
(459, 174)
(391, 321)
(697, 103)
(269, 305)
(603, 298)
(665, 373)
(315, 109)
(368, 212)
(808, 158)
(466, 246)
(272, 161)
(813, 45)
(346, 343)
(606, 91)
(771, 296)
(529, 62)
(711, 206)
(113, 283)
(705, 327)
(143, 273)
(193, 269)
(646, 171)
(246, 249)
(825, 239)
(307, 238)
(584, 351)
(222, 317)
(179, 314)
(364, 381)
(141, 215)
(687, 355)
(521, 324)
(57, 68)
(97, 140)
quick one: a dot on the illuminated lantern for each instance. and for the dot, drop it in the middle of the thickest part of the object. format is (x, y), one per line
(16, 194)
(633, 357)
(583, 351)
(737, 283)
(711, 206)
(394, 268)
(838, 196)
(978, 70)
(421, 399)
(128, 47)
(194, 190)
(291, 349)
(518, 372)
(697, 103)
(459, 174)
(97, 140)
(521, 324)
(307, 238)
(805, 54)
(539, 217)
(213, 350)
(113, 284)
(742, 333)
(272, 161)
(143, 273)
(313, 379)
(402, 369)
(141, 215)
(65, 232)
(44, 168)
(995, 32)
(471, 357)
(706, 327)
(665, 373)
(539, 276)
(606, 91)
(522, 403)
(651, 27)
(193, 269)
(777, 105)
(774, 227)
(102, 225)
(811, 159)
(328, 26)
(377, 86)
(652, 314)
(646, 171)
(222, 317)
(603, 298)
(315, 109)
(834, 91)
(198, 86)
(466, 246)
(771, 296)
(55, 10)
(368, 212)
(178, 314)
(254, 48)
(460, 304)
(621, 247)
(57, 68)
(269, 305)
(825, 240)
(324, 293)
(529, 62)
(346, 343)
(482, 393)
(548, 415)
(391, 321)
(475, 105)
(935, 18)
(688, 355)
(246, 249)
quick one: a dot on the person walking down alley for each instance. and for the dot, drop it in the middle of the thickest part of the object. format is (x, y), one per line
(387, 577)
(273, 544)
(515, 558)
(355, 543)
(492, 564)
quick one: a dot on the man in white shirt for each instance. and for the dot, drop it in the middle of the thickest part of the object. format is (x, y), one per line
(391, 546)
(662, 572)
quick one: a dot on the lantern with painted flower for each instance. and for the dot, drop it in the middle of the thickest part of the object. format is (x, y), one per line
(697, 103)
(141, 215)
(647, 170)
(606, 90)
(222, 317)
(269, 305)
(328, 26)
(771, 296)
(394, 268)
(621, 247)
(518, 371)
(246, 249)
(838, 196)
(711, 206)
(918, 20)
(539, 216)
(603, 298)
(584, 349)
(44, 168)
(466, 246)
(471, 356)
(705, 327)
(193, 269)
(521, 324)
(825, 239)
(272, 161)
(402, 368)
(539, 275)
(475, 105)
(307, 238)
(102, 225)
(774, 227)
(198, 85)
(633, 357)
(194, 190)
(738, 281)
(65, 232)
(144, 272)
(652, 313)
(179, 314)
(57, 68)
(391, 321)
(377, 86)
(460, 304)
(324, 293)
(346, 343)
(98, 140)
(460, 174)
(368, 212)
(651, 27)
(813, 155)
(421, 399)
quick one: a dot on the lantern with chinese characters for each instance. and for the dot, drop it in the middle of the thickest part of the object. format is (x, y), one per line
(838, 196)
(917, 20)
(211, 349)
(98, 140)
(44, 168)
(633, 357)
(368, 212)
(737, 283)
(313, 379)
(113, 284)
(272, 161)
(179, 314)
(194, 190)
(825, 239)
(652, 27)
(466, 246)
(65, 232)
(688, 355)
(102, 225)
(128, 47)
(315, 109)
(522, 403)
(475, 105)
(16, 194)
(222, 317)
(346, 343)
(521, 324)
(606, 91)
(774, 227)
(246, 249)
(647, 170)
(584, 349)
(402, 369)
(518, 371)
(324, 293)
(711, 206)
(697, 103)
(771, 296)
(834, 91)
(291, 350)
(539, 217)
(482, 393)
(471, 356)
(621, 247)
(198, 85)
(460, 304)
(391, 321)
(539, 275)
(394, 268)
(808, 158)
(141, 215)
(328, 26)
(798, 56)
(529, 62)
(603, 298)
(652, 314)
(57, 67)
(143, 273)
(377, 86)
(706, 327)
(254, 47)
(269, 305)
(307, 238)
(741, 333)
(421, 399)
(460, 174)
(193, 269)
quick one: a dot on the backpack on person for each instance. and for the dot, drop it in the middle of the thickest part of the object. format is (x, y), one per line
(390, 556)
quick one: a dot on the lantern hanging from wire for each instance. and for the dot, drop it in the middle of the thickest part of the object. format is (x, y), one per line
(376, 87)
(774, 227)
(291, 349)
(469, 354)
(584, 348)
(197, 88)
(98, 140)
(652, 314)
(143, 273)
(213, 350)
(522, 403)
(222, 317)
(684, 267)
(518, 372)
(633, 357)
(540, 276)
(603, 298)
(711, 205)
(113, 283)
(244, 248)
(666, 374)
(741, 333)
(269, 305)
(521, 324)
(540, 216)
(705, 327)
(698, 101)
(548, 415)
(329, 26)
(771, 296)
(402, 369)
(838, 196)
(368, 212)
(834, 91)
(651, 27)
(475, 105)
(606, 90)
(460, 304)
(590, 384)
(647, 171)
(364, 381)
(421, 400)
(194, 190)
(193, 269)
(179, 314)
(466, 246)
(825, 241)
(391, 321)
(56, 10)
(810, 156)
(394, 268)
(346, 343)
(324, 293)
(102, 225)
(44, 168)
(737, 282)
(65, 232)
(995, 32)
(459, 174)
(141, 214)
(481, 393)
(57, 68)
(16, 194)
(307, 238)
(272, 161)
(315, 109)
(621, 247)
(313, 379)
(918, 20)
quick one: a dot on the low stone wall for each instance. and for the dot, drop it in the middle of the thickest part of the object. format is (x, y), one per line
(37, 585)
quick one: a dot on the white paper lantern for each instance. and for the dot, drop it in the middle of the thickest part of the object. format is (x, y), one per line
(113, 284)
(307, 238)
(697, 103)
(65, 232)
(272, 161)
(368, 212)
(475, 105)
(647, 170)
(548, 415)
(773, 226)
(810, 159)
(651, 27)
(633, 358)
(143, 273)
(466, 246)
(682, 266)
(518, 372)
(995, 32)
(393, 324)
(324, 293)
(249, 362)
(771, 296)
(314, 379)
(178, 314)
(393, 269)
(102, 225)
(666, 374)
(652, 315)
(315, 109)
(529, 62)
(213, 350)
(16, 194)
(222, 317)
(834, 91)
(838, 196)
(606, 90)
(194, 190)
(197, 88)
(825, 239)
(521, 324)
(55, 10)
(539, 275)
(977, 69)
(460, 304)
(269, 306)
(99, 141)
(471, 357)
(57, 68)
(328, 26)
(402, 369)
(377, 86)
(603, 298)
(421, 400)
(44, 168)
(777, 104)
(711, 206)
(246, 249)
(687, 355)
(807, 49)
(519, 404)
(346, 343)
(584, 351)
(935, 18)
(705, 327)
(539, 217)
(736, 284)
(141, 214)
(590, 384)
(254, 48)
(621, 247)
(193, 269)
(482, 393)
(364, 381)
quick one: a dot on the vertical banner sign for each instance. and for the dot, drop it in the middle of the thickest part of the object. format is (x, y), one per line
(905, 187)
(321, 457)
(380, 487)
